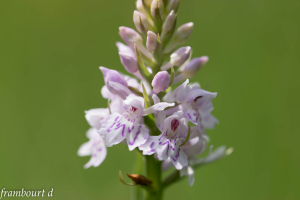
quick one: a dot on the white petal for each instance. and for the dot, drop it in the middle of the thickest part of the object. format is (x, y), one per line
(114, 131)
(101, 153)
(163, 149)
(116, 105)
(179, 93)
(193, 116)
(216, 154)
(85, 149)
(191, 96)
(191, 176)
(150, 146)
(160, 116)
(179, 159)
(155, 99)
(159, 119)
(157, 107)
(94, 116)
(137, 136)
(208, 120)
(106, 93)
(95, 147)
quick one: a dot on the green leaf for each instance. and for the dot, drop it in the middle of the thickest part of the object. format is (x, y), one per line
(146, 98)
(187, 137)
(108, 105)
(143, 69)
(136, 91)
(157, 20)
(172, 77)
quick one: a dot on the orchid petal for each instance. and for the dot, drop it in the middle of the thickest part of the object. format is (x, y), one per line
(192, 95)
(179, 159)
(179, 93)
(157, 107)
(112, 129)
(137, 136)
(107, 94)
(160, 116)
(85, 149)
(150, 146)
(94, 116)
(95, 147)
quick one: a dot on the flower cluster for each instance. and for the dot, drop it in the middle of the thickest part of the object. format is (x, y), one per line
(146, 111)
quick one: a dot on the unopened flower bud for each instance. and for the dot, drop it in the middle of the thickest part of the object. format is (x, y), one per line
(130, 36)
(148, 2)
(114, 76)
(194, 65)
(140, 6)
(124, 49)
(183, 33)
(161, 81)
(129, 62)
(157, 5)
(151, 41)
(180, 56)
(169, 22)
(173, 5)
(140, 21)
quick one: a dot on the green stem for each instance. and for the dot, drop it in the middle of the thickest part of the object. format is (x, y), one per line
(154, 174)
(138, 192)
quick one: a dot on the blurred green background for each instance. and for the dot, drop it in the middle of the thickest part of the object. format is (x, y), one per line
(50, 52)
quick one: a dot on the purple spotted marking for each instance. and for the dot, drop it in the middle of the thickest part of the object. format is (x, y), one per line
(151, 145)
(100, 149)
(108, 130)
(129, 130)
(174, 124)
(137, 133)
(123, 129)
(167, 153)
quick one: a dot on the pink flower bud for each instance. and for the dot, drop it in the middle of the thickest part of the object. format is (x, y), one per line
(114, 76)
(129, 62)
(139, 17)
(194, 65)
(180, 56)
(183, 33)
(124, 49)
(151, 41)
(161, 81)
(173, 5)
(130, 36)
(169, 22)
(157, 4)
(140, 6)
